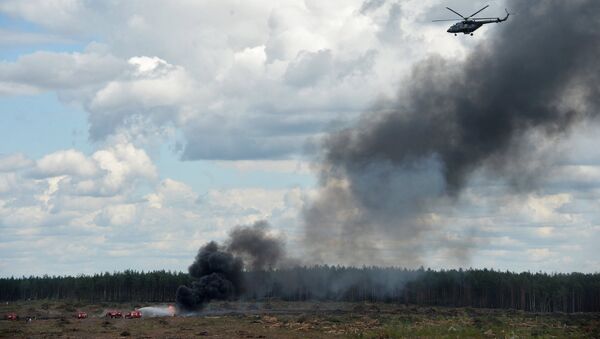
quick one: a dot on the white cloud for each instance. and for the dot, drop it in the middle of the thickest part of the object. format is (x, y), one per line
(251, 60)
(122, 163)
(59, 71)
(66, 15)
(86, 208)
(253, 204)
(14, 162)
(117, 215)
(154, 83)
(172, 193)
(308, 68)
(69, 162)
(538, 254)
(545, 231)
(544, 208)
(249, 80)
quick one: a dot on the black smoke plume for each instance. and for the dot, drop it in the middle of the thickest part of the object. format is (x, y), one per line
(217, 271)
(217, 275)
(259, 249)
(523, 87)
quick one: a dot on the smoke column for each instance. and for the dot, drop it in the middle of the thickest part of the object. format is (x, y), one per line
(217, 271)
(256, 246)
(217, 274)
(521, 88)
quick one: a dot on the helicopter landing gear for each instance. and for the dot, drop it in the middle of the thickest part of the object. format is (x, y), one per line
(471, 34)
(455, 34)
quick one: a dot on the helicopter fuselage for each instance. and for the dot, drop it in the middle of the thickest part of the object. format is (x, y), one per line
(466, 27)
(470, 26)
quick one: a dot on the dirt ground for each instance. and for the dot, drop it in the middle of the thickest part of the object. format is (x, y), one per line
(293, 320)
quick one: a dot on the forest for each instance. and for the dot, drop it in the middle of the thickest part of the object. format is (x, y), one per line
(532, 292)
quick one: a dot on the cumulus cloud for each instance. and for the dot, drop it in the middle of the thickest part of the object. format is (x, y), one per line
(236, 80)
(154, 89)
(117, 215)
(66, 16)
(112, 204)
(59, 71)
(371, 5)
(13, 162)
(172, 193)
(69, 162)
(123, 163)
(107, 171)
(308, 68)
(250, 83)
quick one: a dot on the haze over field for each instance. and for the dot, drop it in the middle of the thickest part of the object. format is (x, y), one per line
(135, 132)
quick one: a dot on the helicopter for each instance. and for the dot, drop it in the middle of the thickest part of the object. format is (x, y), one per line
(469, 24)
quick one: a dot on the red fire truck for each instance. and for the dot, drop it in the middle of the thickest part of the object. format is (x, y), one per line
(133, 314)
(114, 314)
(11, 316)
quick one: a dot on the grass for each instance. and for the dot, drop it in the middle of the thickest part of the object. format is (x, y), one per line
(295, 320)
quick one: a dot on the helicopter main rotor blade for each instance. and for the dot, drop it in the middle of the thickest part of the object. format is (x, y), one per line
(444, 20)
(472, 15)
(455, 12)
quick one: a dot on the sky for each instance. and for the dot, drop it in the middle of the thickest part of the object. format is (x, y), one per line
(133, 132)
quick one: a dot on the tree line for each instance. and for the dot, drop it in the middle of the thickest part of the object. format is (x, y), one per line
(534, 292)
(157, 286)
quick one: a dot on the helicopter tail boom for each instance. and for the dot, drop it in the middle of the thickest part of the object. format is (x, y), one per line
(484, 21)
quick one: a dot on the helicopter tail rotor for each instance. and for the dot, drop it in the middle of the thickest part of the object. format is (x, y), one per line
(507, 15)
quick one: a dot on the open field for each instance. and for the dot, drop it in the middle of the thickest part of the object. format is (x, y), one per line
(294, 320)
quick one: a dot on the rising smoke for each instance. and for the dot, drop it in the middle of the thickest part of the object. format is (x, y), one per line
(382, 178)
(217, 271)
(217, 275)
(259, 249)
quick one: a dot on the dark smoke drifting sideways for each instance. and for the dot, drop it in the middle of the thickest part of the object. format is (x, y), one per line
(522, 87)
(217, 271)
